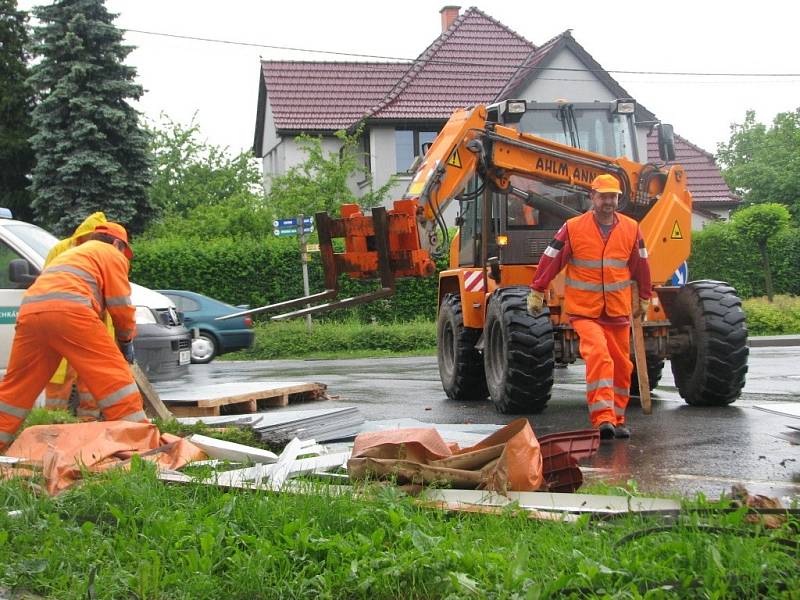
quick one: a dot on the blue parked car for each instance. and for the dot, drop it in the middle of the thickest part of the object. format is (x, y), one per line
(214, 337)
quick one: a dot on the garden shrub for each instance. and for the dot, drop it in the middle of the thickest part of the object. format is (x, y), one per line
(781, 317)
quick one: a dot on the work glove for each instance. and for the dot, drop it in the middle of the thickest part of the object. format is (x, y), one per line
(127, 351)
(535, 302)
(640, 311)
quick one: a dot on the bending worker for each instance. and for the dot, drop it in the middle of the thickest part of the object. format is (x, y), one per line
(603, 252)
(58, 390)
(60, 316)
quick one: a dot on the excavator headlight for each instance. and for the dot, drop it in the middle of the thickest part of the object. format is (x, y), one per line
(511, 111)
(625, 106)
(502, 240)
(516, 107)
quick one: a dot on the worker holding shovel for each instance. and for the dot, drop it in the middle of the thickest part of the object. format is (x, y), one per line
(604, 254)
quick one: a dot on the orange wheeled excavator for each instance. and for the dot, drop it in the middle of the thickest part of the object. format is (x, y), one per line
(515, 190)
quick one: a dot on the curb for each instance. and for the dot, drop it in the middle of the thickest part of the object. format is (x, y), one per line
(773, 340)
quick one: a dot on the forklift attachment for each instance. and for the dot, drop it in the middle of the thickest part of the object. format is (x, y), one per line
(366, 255)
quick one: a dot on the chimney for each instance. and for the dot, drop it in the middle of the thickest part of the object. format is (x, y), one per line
(449, 14)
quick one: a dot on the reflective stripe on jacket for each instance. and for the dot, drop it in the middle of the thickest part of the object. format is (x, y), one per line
(597, 273)
(95, 275)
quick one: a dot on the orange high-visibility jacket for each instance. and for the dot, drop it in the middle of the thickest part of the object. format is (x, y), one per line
(597, 273)
(93, 275)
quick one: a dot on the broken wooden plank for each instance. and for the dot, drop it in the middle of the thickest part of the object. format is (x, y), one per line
(153, 406)
(303, 466)
(231, 450)
(280, 472)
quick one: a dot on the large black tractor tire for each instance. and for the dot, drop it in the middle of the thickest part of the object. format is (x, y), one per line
(460, 363)
(655, 368)
(518, 353)
(712, 371)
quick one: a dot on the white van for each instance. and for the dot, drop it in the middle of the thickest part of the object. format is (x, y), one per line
(162, 344)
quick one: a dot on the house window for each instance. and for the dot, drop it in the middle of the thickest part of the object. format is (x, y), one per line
(408, 145)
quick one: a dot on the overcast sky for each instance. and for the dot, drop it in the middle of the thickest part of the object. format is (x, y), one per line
(219, 82)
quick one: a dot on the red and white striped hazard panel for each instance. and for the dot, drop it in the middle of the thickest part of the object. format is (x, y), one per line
(473, 281)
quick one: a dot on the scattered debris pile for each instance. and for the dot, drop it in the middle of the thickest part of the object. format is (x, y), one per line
(509, 459)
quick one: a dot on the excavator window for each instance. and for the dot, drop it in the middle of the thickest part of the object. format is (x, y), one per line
(594, 129)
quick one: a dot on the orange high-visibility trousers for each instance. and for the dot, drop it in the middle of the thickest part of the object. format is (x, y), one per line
(606, 351)
(79, 336)
(57, 395)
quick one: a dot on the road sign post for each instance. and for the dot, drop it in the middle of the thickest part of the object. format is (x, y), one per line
(299, 227)
(304, 260)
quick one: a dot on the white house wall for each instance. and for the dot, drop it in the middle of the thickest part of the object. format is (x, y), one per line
(548, 86)
(383, 163)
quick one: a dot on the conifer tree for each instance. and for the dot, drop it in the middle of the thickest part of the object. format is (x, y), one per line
(91, 152)
(16, 104)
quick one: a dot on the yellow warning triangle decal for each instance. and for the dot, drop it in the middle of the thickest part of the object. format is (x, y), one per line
(455, 159)
(676, 232)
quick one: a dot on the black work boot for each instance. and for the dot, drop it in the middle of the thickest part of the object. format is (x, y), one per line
(622, 431)
(607, 430)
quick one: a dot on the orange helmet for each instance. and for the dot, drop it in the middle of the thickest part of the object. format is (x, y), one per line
(117, 231)
(606, 184)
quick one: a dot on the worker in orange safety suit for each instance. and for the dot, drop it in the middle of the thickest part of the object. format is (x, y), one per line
(58, 390)
(60, 317)
(604, 253)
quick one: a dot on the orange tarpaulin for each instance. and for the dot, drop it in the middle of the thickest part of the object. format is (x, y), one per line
(64, 450)
(509, 459)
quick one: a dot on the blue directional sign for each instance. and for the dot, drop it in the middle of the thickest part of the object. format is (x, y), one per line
(681, 275)
(284, 223)
(290, 231)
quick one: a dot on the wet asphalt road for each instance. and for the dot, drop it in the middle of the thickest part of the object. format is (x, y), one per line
(678, 448)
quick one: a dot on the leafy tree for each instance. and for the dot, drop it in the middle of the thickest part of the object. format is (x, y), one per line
(762, 164)
(190, 173)
(90, 149)
(240, 216)
(16, 104)
(320, 183)
(200, 191)
(758, 224)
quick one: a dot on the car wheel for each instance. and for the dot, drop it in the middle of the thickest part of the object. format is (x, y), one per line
(204, 348)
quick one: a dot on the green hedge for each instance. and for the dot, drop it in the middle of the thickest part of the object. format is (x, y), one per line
(718, 253)
(260, 272)
(781, 317)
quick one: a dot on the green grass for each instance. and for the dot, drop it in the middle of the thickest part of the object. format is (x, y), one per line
(135, 537)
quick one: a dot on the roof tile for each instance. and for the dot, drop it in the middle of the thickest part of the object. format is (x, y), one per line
(705, 180)
(324, 96)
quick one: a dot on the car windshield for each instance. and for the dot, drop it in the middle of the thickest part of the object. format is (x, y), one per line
(39, 240)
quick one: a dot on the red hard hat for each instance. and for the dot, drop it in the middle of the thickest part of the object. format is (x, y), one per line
(117, 231)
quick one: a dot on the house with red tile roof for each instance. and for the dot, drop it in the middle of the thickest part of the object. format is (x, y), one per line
(403, 105)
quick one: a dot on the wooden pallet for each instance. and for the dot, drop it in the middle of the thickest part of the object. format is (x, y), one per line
(240, 397)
